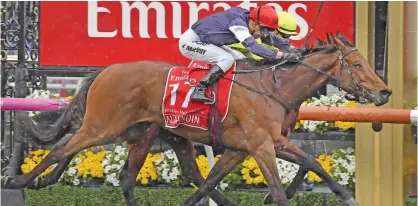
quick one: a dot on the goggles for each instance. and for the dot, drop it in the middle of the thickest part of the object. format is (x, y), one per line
(284, 36)
(265, 29)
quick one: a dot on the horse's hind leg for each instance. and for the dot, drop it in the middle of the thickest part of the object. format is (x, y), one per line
(186, 155)
(309, 163)
(56, 173)
(140, 143)
(297, 180)
(53, 176)
(228, 161)
(81, 140)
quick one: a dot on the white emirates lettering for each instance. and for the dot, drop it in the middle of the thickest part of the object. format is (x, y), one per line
(175, 20)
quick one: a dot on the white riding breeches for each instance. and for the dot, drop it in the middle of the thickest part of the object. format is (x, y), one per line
(191, 47)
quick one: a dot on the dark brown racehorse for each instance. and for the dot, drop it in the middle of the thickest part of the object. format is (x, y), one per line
(256, 125)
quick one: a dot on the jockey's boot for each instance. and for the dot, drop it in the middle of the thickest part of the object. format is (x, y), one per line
(210, 78)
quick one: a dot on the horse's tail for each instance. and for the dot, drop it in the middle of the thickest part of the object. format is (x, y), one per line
(68, 118)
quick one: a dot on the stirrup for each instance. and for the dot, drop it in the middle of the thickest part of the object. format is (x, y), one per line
(205, 101)
(214, 99)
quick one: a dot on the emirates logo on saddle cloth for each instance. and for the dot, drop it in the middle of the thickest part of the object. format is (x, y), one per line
(177, 106)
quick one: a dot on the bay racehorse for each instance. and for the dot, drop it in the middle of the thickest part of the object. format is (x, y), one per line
(259, 133)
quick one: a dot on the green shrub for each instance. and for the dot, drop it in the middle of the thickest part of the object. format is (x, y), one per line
(61, 195)
(58, 195)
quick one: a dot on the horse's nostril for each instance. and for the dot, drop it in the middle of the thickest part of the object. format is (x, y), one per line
(385, 93)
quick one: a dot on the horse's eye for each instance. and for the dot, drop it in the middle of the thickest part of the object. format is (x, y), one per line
(357, 65)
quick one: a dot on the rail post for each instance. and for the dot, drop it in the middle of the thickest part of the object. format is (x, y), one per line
(20, 89)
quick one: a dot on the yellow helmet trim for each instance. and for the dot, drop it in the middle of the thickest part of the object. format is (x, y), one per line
(287, 23)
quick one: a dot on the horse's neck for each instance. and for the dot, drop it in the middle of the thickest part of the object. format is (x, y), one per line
(297, 85)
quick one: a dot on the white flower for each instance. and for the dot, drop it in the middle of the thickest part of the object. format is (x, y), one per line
(107, 169)
(120, 150)
(287, 170)
(344, 161)
(168, 167)
(118, 167)
(121, 163)
(72, 171)
(223, 185)
(105, 162)
(76, 182)
(117, 158)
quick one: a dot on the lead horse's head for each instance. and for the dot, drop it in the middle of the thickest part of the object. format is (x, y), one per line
(354, 74)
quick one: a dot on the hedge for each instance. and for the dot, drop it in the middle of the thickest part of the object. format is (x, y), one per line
(58, 195)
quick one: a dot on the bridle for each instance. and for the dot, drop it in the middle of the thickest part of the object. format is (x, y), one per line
(355, 84)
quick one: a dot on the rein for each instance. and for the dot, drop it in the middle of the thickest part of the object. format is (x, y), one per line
(338, 80)
(305, 44)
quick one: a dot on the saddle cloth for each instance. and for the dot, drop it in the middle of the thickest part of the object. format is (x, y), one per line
(177, 106)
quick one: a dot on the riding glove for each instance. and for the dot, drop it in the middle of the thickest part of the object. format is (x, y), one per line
(297, 50)
(291, 57)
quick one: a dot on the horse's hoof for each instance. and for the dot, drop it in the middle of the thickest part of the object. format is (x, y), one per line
(8, 182)
(351, 202)
(268, 199)
(5, 181)
(34, 184)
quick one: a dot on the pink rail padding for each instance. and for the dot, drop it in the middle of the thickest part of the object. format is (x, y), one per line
(29, 104)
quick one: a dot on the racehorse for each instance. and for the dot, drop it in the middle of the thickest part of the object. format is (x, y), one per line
(257, 133)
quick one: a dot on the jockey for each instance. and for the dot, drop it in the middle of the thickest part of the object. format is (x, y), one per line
(206, 39)
(287, 28)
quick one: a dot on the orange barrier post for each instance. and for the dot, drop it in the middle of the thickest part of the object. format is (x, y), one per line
(394, 116)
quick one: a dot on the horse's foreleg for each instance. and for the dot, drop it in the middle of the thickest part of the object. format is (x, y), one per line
(309, 163)
(228, 161)
(189, 166)
(56, 173)
(138, 151)
(265, 157)
(297, 180)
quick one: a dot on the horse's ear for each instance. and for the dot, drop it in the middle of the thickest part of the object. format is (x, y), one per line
(329, 39)
(321, 42)
(318, 42)
(332, 37)
(337, 42)
(340, 35)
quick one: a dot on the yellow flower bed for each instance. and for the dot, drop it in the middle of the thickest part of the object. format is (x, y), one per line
(91, 164)
(346, 125)
(34, 158)
(326, 163)
(251, 173)
(148, 171)
(203, 164)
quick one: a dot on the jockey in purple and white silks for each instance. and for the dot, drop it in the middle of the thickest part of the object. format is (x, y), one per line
(206, 39)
